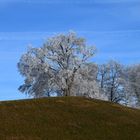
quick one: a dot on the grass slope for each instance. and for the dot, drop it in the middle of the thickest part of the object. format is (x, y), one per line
(67, 118)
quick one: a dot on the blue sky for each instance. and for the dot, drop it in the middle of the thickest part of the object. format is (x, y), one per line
(113, 26)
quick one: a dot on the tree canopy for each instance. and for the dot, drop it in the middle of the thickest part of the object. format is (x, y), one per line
(59, 66)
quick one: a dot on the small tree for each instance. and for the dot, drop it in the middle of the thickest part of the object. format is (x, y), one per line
(133, 78)
(56, 67)
(110, 78)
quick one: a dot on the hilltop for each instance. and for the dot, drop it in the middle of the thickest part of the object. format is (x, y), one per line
(68, 118)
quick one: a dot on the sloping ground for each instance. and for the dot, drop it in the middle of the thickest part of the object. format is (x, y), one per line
(67, 118)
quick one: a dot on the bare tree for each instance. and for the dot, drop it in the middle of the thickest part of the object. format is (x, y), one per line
(133, 78)
(103, 71)
(110, 78)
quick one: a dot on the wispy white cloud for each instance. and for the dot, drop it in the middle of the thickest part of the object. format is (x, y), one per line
(43, 35)
(64, 31)
(111, 31)
(5, 36)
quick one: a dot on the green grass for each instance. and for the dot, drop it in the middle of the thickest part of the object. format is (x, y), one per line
(67, 118)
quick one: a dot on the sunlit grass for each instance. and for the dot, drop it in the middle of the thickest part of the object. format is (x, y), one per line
(67, 118)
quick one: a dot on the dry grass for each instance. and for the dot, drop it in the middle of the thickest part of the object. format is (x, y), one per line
(67, 118)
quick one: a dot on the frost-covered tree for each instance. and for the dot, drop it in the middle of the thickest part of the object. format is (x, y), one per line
(58, 67)
(110, 78)
(133, 78)
(85, 81)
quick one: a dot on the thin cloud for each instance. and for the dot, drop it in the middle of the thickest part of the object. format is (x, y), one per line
(113, 31)
(6, 36)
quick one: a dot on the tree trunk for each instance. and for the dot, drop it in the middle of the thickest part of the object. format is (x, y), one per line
(67, 92)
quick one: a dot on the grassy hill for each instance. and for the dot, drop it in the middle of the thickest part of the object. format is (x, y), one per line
(67, 118)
